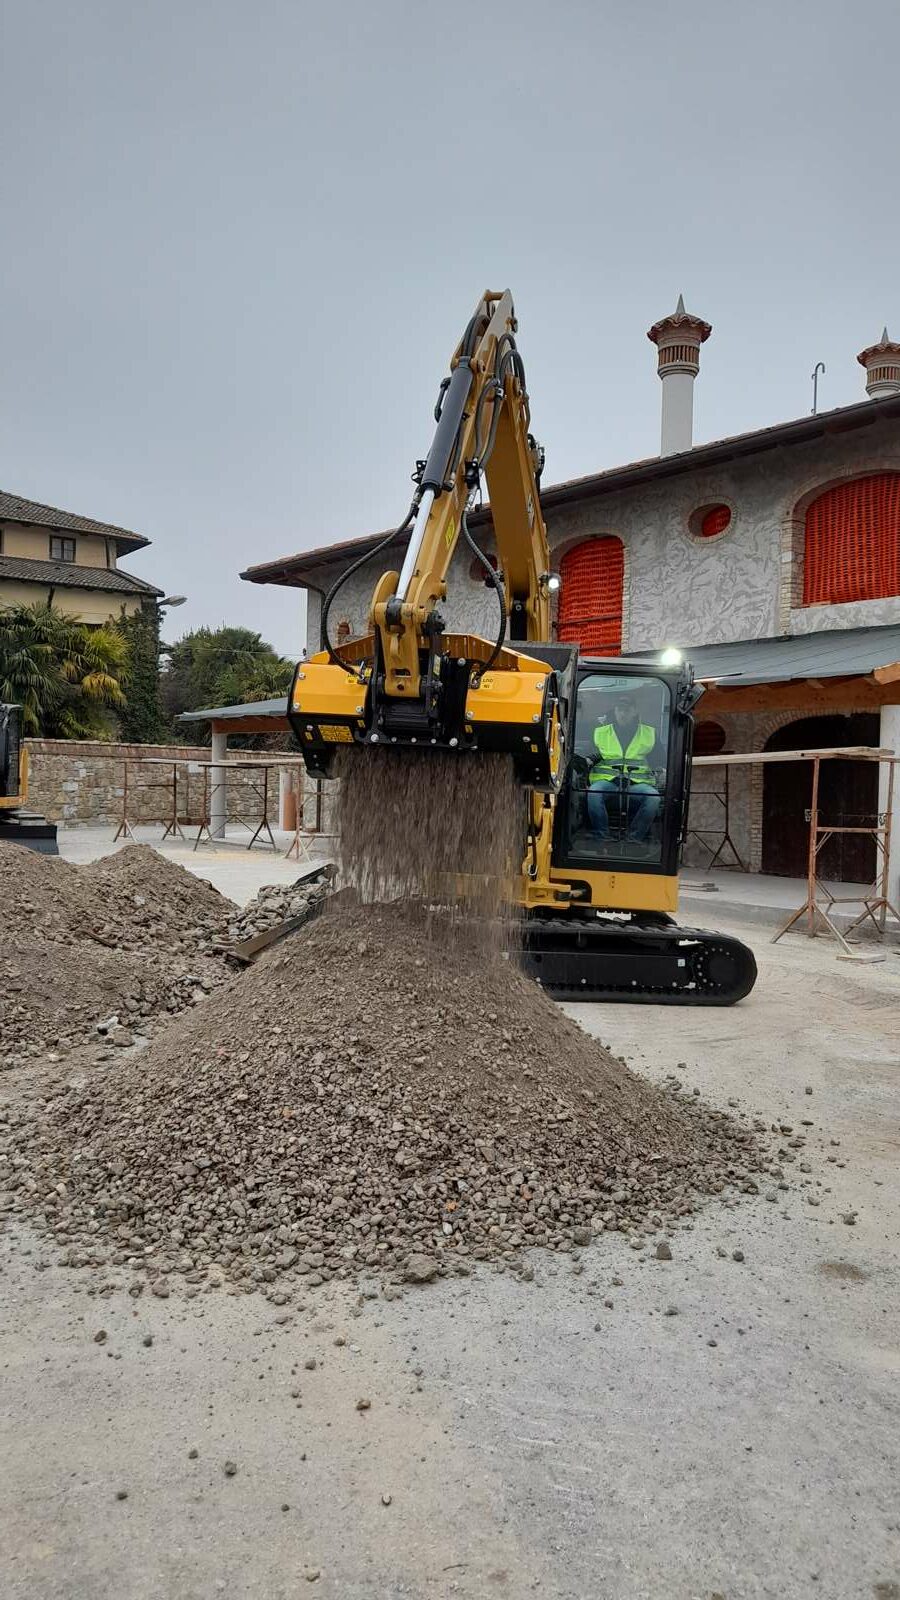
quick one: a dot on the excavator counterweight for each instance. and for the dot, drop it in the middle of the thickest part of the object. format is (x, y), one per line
(17, 824)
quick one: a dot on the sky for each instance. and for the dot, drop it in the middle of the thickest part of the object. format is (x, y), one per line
(240, 242)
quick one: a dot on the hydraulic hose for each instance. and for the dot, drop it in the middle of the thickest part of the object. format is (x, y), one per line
(336, 587)
(494, 578)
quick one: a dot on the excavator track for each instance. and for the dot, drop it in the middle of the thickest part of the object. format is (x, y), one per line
(658, 964)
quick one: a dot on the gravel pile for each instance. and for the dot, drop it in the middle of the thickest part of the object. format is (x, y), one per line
(131, 936)
(279, 902)
(369, 1096)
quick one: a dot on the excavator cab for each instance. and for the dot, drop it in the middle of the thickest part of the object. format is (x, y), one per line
(601, 924)
(622, 806)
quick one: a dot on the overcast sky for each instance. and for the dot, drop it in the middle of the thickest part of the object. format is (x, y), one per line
(240, 241)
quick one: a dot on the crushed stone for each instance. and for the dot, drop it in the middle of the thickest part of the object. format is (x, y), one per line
(364, 1099)
(278, 902)
(131, 936)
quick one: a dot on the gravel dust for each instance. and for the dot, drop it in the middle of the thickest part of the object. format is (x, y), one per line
(417, 825)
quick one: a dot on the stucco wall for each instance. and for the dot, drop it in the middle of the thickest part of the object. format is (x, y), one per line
(855, 614)
(680, 589)
(33, 543)
(79, 782)
(85, 605)
(689, 591)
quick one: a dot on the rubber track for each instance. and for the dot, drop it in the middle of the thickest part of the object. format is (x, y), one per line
(576, 960)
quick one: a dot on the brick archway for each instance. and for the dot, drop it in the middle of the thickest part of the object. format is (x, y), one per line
(848, 796)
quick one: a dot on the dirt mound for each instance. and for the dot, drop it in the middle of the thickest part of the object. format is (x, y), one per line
(142, 896)
(366, 1094)
(39, 895)
(131, 936)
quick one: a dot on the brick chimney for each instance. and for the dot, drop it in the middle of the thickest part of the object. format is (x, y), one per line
(882, 364)
(678, 338)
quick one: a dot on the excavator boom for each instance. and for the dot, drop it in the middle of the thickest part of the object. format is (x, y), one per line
(409, 681)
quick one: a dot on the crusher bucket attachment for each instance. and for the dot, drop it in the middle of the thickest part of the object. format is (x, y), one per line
(512, 708)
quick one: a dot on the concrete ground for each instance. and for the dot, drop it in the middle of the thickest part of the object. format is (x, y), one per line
(752, 897)
(568, 1437)
(766, 900)
(229, 866)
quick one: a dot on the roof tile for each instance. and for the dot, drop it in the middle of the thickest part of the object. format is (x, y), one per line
(14, 509)
(66, 575)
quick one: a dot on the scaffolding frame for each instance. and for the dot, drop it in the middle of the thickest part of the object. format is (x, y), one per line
(171, 820)
(177, 813)
(722, 834)
(875, 900)
(301, 846)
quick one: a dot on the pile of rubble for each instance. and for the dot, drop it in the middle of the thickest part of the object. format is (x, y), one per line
(370, 1095)
(132, 936)
(280, 902)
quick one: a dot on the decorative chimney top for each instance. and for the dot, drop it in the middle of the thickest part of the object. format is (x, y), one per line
(680, 327)
(882, 364)
(678, 338)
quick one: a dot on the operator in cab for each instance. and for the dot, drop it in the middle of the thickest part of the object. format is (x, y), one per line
(622, 774)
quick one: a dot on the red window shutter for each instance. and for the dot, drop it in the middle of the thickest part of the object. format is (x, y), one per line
(714, 521)
(590, 600)
(852, 543)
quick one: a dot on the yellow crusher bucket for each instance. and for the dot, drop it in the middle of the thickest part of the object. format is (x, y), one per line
(513, 708)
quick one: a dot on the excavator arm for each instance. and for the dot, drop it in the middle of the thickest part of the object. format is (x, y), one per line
(408, 680)
(482, 427)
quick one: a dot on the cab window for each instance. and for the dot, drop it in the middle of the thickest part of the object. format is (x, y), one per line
(618, 772)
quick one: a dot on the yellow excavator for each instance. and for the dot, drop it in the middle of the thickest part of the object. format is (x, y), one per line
(601, 745)
(18, 826)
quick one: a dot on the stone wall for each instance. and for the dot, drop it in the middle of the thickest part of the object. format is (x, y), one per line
(79, 782)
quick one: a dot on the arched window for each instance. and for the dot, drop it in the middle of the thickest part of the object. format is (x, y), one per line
(709, 739)
(852, 542)
(590, 599)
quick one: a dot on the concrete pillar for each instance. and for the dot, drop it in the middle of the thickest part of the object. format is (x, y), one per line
(889, 739)
(676, 430)
(678, 338)
(217, 796)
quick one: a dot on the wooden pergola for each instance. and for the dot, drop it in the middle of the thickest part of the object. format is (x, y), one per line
(853, 692)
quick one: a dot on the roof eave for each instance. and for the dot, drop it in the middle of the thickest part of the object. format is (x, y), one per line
(290, 571)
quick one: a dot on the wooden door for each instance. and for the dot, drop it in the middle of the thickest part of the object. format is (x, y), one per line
(848, 794)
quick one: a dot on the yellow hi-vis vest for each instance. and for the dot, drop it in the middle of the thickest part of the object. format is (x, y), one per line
(611, 764)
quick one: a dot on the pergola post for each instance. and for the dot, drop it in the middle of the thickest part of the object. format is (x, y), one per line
(889, 739)
(217, 794)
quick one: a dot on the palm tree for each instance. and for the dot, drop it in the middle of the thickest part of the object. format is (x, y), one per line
(65, 675)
